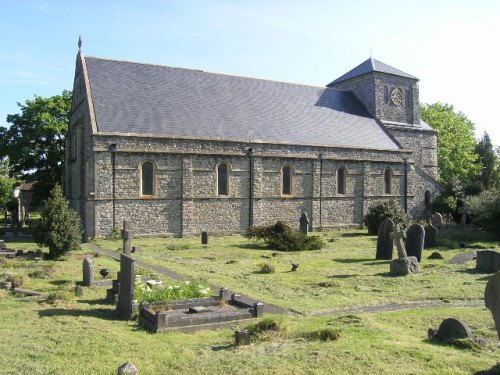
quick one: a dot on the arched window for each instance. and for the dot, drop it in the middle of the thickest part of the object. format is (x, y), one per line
(147, 178)
(341, 180)
(286, 180)
(223, 179)
(388, 181)
(427, 198)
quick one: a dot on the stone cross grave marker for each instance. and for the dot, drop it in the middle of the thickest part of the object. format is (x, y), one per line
(398, 236)
(127, 236)
(304, 223)
(88, 272)
(415, 236)
(385, 244)
(125, 306)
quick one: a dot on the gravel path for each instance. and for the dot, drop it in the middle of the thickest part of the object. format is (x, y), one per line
(273, 309)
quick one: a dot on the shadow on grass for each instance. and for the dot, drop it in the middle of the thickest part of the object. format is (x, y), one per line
(350, 260)
(254, 246)
(101, 301)
(222, 347)
(378, 262)
(105, 314)
(472, 271)
(22, 239)
(59, 282)
(495, 370)
(357, 235)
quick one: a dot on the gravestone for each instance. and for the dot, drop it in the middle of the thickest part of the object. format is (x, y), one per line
(437, 220)
(415, 236)
(492, 299)
(88, 272)
(385, 244)
(128, 369)
(125, 306)
(204, 238)
(304, 223)
(2, 245)
(488, 261)
(449, 329)
(127, 236)
(430, 238)
(241, 337)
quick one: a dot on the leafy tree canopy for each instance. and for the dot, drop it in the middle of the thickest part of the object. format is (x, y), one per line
(456, 143)
(488, 160)
(34, 142)
(6, 183)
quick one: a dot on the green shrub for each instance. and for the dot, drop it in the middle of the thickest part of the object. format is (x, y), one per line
(326, 334)
(16, 280)
(58, 296)
(266, 267)
(378, 212)
(484, 210)
(59, 228)
(281, 237)
(444, 204)
(265, 325)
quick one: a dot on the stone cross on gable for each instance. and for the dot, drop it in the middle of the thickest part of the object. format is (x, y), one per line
(127, 236)
(398, 236)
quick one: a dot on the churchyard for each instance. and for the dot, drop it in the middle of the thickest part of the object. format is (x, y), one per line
(345, 312)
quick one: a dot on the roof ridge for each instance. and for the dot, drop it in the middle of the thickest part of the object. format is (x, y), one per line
(208, 72)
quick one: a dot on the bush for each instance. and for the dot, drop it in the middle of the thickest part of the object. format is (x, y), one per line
(16, 280)
(281, 237)
(265, 325)
(484, 210)
(59, 228)
(267, 267)
(326, 334)
(378, 212)
(444, 204)
(159, 293)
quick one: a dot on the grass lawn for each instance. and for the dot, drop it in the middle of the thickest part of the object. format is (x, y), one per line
(79, 335)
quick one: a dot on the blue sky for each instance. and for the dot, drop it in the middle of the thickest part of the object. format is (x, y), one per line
(452, 46)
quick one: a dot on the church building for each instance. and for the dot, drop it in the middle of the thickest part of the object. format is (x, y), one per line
(179, 151)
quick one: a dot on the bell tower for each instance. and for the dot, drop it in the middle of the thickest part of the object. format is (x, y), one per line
(389, 94)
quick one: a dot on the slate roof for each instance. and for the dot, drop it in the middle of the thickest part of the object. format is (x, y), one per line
(158, 100)
(369, 66)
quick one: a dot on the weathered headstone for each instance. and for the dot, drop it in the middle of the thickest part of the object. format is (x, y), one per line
(2, 245)
(304, 223)
(437, 220)
(204, 238)
(492, 299)
(125, 306)
(88, 272)
(488, 261)
(449, 329)
(385, 244)
(464, 257)
(128, 369)
(415, 236)
(242, 337)
(127, 236)
(430, 239)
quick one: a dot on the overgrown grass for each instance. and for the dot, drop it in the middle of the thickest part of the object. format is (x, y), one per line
(80, 335)
(344, 273)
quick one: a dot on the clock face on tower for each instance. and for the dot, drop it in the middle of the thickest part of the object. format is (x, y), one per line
(397, 96)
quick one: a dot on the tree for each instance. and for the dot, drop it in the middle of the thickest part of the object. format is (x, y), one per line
(59, 228)
(6, 184)
(34, 142)
(456, 143)
(488, 160)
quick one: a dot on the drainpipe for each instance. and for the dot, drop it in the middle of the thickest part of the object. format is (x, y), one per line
(320, 157)
(249, 153)
(406, 184)
(112, 149)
